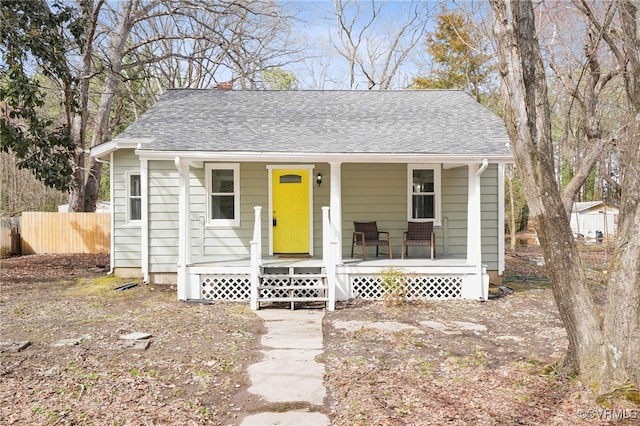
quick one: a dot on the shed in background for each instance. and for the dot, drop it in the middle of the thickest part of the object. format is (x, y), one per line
(594, 220)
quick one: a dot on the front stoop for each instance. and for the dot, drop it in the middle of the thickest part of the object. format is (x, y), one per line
(292, 284)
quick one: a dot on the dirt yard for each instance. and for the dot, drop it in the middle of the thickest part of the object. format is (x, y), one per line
(433, 363)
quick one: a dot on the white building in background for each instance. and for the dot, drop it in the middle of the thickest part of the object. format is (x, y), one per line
(594, 220)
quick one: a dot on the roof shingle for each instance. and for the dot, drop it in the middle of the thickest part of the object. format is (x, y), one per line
(408, 121)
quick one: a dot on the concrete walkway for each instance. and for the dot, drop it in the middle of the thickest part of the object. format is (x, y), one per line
(288, 375)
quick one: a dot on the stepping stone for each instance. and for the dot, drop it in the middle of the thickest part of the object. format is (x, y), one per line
(439, 327)
(14, 346)
(67, 342)
(514, 338)
(470, 326)
(138, 345)
(137, 341)
(135, 336)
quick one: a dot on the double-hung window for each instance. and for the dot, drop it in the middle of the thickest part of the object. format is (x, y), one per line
(424, 193)
(134, 197)
(223, 194)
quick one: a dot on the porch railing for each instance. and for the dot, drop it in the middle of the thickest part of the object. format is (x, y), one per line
(329, 258)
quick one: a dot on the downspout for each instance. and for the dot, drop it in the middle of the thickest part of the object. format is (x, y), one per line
(483, 167)
(112, 242)
(481, 269)
(500, 219)
(144, 249)
(184, 241)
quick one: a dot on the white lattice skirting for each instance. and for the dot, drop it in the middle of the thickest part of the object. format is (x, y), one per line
(236, 288)
(419, 287)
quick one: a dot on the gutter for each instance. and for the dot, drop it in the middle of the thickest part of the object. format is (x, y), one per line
(261, 156)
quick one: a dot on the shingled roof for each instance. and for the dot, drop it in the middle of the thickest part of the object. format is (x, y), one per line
(447, 122)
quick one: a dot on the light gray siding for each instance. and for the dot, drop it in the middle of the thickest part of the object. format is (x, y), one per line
(454, 212)
(374, 192)
(127, 237)
(452, 235)
(163, 216)
(490, 214)
(379, 192)
(228, 240)
(369, 192)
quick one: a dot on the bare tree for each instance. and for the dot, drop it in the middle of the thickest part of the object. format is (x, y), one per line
(582, 79)
(221, 41)
(375, 51)
(174, 43)
(606, 353)
(622, 318)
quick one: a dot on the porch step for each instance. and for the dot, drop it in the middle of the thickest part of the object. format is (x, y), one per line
(293, 287)
(294, 299)
(292, 270)
(289, 281)
(297, 277)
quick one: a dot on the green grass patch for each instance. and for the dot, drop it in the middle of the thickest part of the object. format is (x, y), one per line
(100, 286)
(627, 392)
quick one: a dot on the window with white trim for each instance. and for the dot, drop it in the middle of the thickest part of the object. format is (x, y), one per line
(424, 192)
(223, 194)
(134, 197)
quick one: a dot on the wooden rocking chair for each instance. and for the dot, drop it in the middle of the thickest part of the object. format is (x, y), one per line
(367, 234)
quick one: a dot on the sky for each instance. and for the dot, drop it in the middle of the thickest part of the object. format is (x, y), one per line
(325, 68)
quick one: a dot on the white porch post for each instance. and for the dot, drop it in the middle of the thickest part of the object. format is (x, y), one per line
(329, 257)
(335, 204)
(474, 245)
(475, 288)
(256, 256)
(184, 234)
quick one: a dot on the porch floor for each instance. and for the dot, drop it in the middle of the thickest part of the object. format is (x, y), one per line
(380, 262)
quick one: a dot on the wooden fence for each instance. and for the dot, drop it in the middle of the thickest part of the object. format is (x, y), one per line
(65, 232)
(9, 236)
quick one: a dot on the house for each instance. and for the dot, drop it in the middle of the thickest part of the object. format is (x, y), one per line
(253, 195)
(594, 220)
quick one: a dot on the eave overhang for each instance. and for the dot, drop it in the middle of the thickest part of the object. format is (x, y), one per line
(315, 157)
(103, 151)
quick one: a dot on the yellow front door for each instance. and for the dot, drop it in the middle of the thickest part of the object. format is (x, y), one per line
(290, 192)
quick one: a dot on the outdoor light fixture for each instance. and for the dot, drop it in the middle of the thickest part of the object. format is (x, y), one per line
(319, 179)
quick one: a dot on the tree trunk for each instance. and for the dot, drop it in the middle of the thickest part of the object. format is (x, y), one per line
(528, 122)
(84, 196)
(622, 319)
